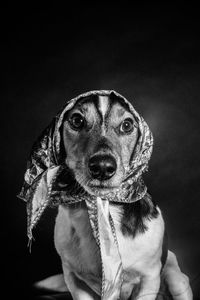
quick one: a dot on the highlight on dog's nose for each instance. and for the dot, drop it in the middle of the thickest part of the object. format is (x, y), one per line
(102, 167)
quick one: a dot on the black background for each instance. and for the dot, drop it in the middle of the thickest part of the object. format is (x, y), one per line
(149, 54)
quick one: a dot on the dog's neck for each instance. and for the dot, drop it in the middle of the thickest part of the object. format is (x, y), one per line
(132, 196)
(134, 200)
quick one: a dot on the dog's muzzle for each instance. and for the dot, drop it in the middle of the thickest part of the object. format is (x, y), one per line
(102, 167)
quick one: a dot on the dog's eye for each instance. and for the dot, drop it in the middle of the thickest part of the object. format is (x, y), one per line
(127, 126)
(77, 121)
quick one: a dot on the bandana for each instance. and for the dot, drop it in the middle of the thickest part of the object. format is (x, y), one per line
(49, 182)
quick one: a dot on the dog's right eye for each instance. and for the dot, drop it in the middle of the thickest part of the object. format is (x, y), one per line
(77, 121)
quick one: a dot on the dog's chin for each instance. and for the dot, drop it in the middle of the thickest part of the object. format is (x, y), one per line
(99, 190)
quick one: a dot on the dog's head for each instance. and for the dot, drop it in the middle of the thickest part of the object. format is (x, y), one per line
(107, 146)
(99, 136)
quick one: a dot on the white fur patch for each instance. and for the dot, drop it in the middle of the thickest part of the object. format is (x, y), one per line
(103, 105)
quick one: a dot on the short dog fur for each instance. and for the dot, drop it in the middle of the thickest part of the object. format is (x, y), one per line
(99, 136)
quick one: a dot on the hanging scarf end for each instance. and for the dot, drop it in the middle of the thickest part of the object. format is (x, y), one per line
(30, 240)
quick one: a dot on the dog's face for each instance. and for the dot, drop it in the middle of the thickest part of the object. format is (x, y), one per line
(99, 137)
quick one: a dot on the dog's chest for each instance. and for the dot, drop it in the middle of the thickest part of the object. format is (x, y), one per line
(78, 250)
(75, 243)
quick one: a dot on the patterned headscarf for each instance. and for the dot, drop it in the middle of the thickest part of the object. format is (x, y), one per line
(43, 187)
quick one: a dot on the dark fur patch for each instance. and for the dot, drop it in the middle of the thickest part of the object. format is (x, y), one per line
(117, 99)
(134, 215)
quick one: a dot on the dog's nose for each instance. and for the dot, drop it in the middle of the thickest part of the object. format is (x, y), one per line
(102, 167)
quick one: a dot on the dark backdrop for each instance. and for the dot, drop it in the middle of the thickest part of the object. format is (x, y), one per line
(149, 54)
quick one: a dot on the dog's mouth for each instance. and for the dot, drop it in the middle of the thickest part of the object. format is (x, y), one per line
(97, 191)
(102, 185)
(100, 189)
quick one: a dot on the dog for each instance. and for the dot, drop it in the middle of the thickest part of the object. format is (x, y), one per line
(99, 135)
(109, 233)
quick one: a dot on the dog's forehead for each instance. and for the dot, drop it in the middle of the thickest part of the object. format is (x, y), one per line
(104, 105)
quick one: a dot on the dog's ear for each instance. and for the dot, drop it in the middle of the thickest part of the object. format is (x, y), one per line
(145, 143)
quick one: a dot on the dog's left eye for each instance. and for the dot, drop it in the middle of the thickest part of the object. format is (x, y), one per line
(127, 126)
(77, 121)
